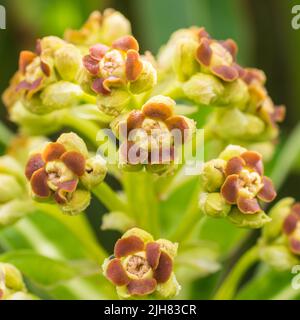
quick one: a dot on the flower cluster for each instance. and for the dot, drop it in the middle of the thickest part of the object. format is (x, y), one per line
(65, 173)
(209, 74)
(233, 184)
(141, 266)
(12, 286)
(280, 241)
(116, 73)
(151, 136)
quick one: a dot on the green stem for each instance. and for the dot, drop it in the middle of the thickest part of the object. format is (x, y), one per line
(109, 198)
(5, 134)
(190, 218)
(142, 199)
(229, 287)
(287, 157)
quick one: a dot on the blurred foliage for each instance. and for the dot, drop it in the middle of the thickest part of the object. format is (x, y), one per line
(266, 40)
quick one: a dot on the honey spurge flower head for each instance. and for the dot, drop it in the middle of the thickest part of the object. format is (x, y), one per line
(142, 266)
(238, 177)
(116, 73)
(150, 136)
(64, 172)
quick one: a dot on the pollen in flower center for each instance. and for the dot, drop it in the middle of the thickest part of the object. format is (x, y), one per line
(57, 173)
(251, 183)
(137, 266)
(112, 64)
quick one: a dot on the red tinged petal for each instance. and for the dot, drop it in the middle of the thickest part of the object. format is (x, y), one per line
(45, 68)
(26, 57)
(27, 86)
(252, 75)
(295, 245)
(234, 166)
(202, 33)
(134, 65)
(38, 47)
(135, 120)
(126, 43)
(267, 193)
(34, 163)
(91, 65)
(164, 269)
(98, 51)
(156, 110)
(296, 209)
(127, 246)
(53, 151)
(98, 87)
(179, 123)
(141, 287)
(230, 46)
(39, 184)
(290, 223)
(241, 71)
(230, 189)
(153, 254)
(116, 273)
(248, 206)
(63, 189)
(253, 161)
(204, 52)
(226, 73)
(75, 161)
(279, 114)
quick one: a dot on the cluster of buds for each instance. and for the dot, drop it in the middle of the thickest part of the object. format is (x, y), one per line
(151, 137)
(104, 28)
(46, 79)
(233, 185)
(142, 267)
(116, 73)
(12, 286)
(280, 241)
(209, 74)
(64, 172)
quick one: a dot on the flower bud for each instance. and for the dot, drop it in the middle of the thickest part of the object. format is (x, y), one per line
(79, 202)
(253, 221)
(67, 62)
(203, 89)
(10, 188)
(21, 296)
(12, 277)
(278, 257)
(95, 172)
(60, 95)
(231, 151)
(213, 175)
(72, 142)
(142, 267)
(14, 210)
(278, 214)
(117, 221)
(214, 205)
(185, 64)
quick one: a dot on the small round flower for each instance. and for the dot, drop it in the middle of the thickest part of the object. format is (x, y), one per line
(236, 179)
(141, 266)
(45, 81)
(115, 73)
(104, 28)
(150, 136)
(60, 171)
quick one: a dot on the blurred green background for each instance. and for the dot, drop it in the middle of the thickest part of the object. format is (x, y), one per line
(262, 29)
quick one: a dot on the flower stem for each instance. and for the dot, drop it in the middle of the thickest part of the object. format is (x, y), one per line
(229, 287)
(190, 217)
(109, 198)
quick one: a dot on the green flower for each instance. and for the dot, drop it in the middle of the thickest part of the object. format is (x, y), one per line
(64, 173)
(142, 267)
